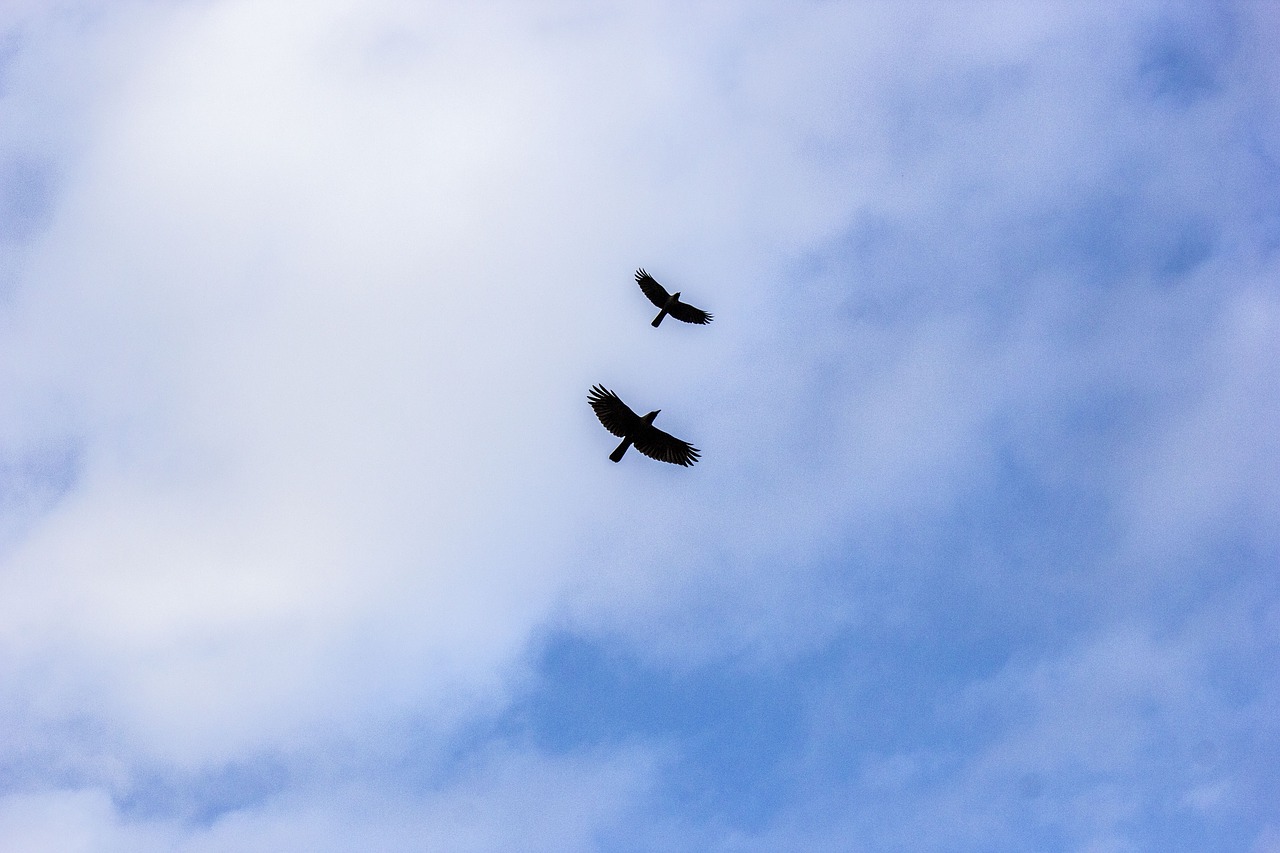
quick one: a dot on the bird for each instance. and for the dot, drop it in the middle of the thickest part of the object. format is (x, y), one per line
(669, 302)
(640, 431)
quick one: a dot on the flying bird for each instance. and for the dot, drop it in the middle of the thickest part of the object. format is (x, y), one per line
(669, 302)
(633, 429)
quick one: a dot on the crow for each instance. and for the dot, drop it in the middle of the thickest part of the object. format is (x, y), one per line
(641, 432)
(669, 302)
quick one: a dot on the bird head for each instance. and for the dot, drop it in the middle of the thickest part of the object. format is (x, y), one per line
(649, 417)
(676, 294)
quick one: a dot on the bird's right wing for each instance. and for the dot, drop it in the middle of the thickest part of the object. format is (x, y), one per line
(613, 413)
(657, 293)
(686, 313)
(656, 444)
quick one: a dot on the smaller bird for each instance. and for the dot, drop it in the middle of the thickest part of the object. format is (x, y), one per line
(669, 302)
(633, 429)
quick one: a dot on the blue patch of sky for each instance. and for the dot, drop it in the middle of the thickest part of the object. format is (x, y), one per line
(887, 282)
(1182, 57)
(1265, 205)
(1105, 237)
(748, 738)
(1183, 752)
(1241, 556)
(990, 580)
(891, 274)
(732, 726)
(1111, 238)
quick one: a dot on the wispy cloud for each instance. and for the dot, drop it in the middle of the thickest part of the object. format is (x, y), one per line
(310, 540)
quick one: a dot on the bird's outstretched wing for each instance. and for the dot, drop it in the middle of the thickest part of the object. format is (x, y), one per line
(613, 413)
(656, 444)
(657, 293)
(686, 313)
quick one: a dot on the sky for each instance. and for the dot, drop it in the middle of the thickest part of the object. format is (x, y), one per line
(309, 540)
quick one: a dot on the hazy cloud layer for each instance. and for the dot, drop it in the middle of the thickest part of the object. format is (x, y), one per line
(308, 538)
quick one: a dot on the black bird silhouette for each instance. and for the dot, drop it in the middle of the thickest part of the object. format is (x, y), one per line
(633, 429)
(669, 302)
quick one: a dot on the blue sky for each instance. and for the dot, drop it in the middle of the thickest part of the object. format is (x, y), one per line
(309, 540)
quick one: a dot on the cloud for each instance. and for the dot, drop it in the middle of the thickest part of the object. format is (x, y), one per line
(301, 303)
(511, 799)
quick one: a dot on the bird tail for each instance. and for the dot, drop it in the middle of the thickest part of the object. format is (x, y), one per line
(616, 455)
(658, 319)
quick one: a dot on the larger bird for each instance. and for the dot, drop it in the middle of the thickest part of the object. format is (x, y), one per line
(669, 302)
(640, 431)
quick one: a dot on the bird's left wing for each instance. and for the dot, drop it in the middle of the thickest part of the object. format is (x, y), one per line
(657, 293)
(613, 413)
(656, 444)
(686, 313)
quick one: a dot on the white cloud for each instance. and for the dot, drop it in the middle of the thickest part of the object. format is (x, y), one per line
(71, 822)
(321, 287)
(509, 800)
